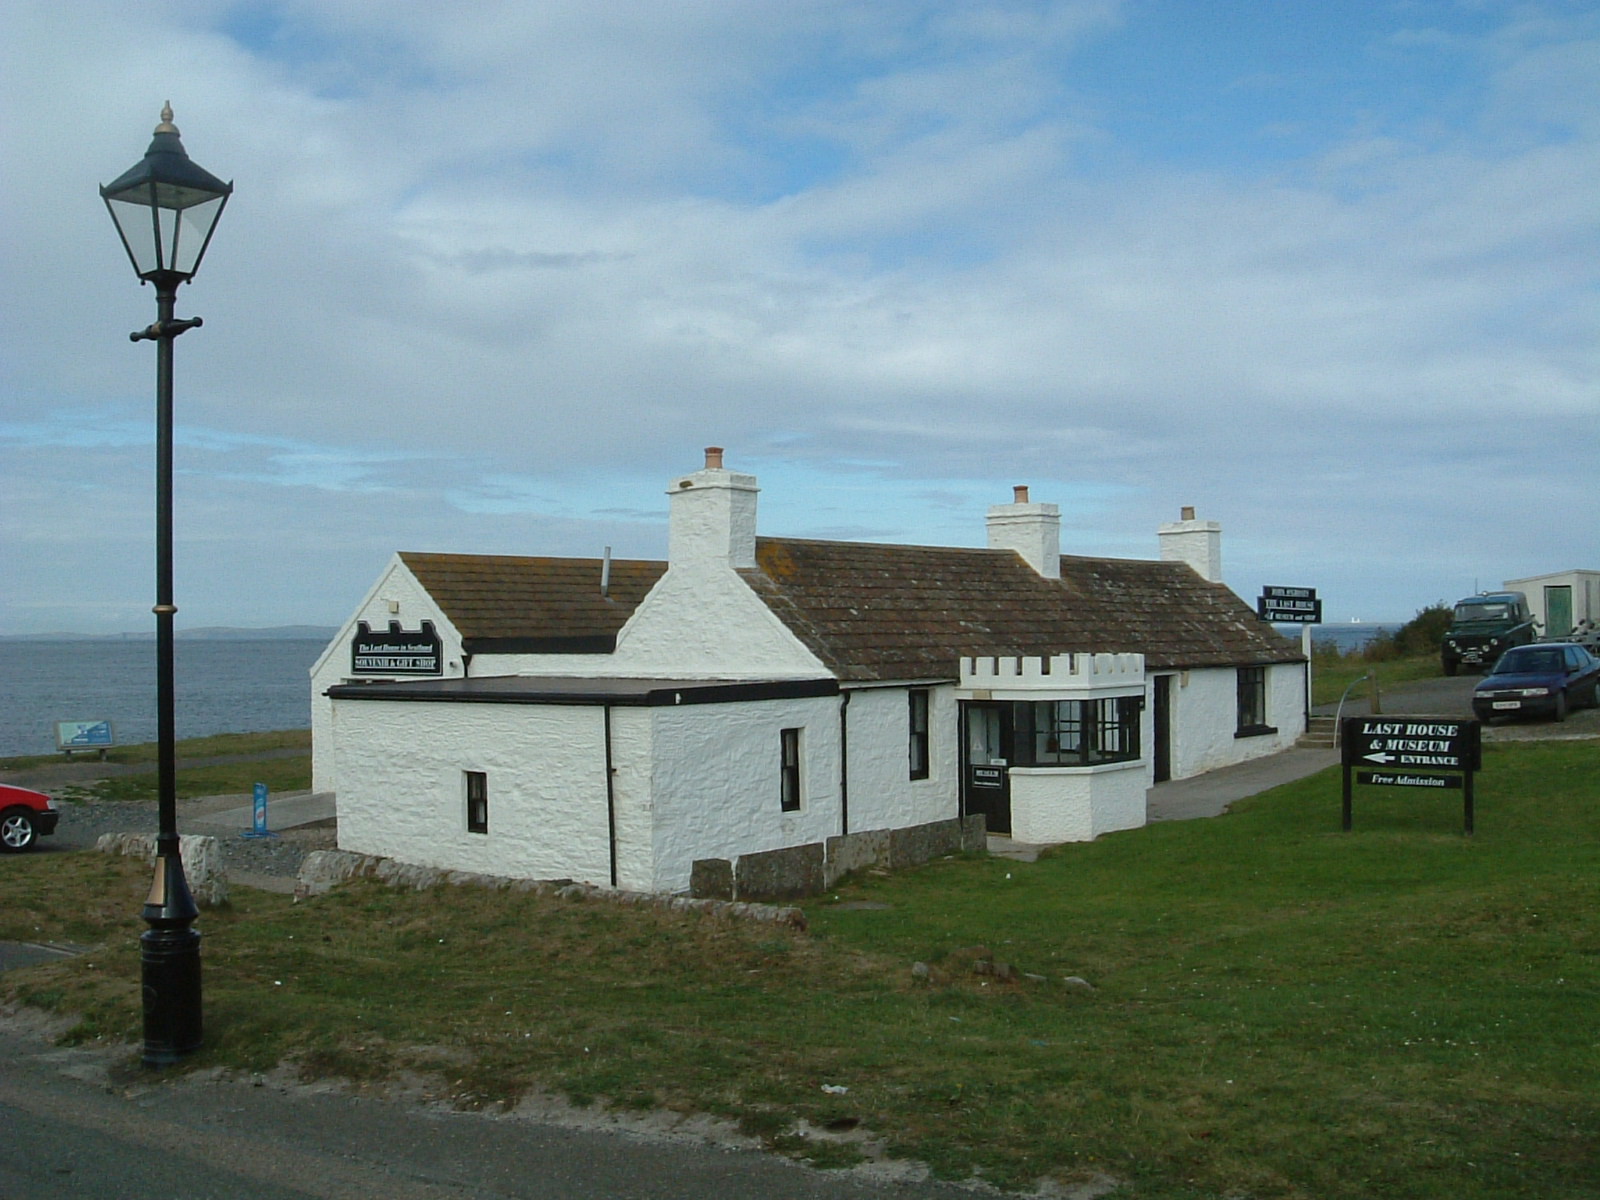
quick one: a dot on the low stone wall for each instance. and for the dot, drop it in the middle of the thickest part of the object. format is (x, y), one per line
(809, 869)
(202, 861)
(323, 870)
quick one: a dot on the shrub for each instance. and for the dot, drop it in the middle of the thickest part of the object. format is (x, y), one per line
(1417, 638)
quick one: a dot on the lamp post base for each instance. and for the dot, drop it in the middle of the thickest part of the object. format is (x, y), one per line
(169, 954)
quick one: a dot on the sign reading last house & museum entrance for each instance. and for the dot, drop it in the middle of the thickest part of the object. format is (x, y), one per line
(397, 651)
(1410, 752)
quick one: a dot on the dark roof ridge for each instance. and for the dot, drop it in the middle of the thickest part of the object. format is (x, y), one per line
(449, 555)
(884, 545)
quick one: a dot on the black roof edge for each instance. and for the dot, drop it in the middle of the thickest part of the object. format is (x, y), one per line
(668, 694)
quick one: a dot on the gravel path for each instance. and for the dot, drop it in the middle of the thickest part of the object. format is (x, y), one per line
(247, 859)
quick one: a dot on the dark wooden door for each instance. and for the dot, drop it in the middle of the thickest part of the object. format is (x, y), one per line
(985, 777)
(1162, 735)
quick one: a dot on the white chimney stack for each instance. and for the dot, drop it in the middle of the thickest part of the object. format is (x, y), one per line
(713, 517)
(1032, 530)
(1198, 543)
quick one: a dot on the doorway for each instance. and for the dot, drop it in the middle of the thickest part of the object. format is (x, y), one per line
(1557, 611)
(1162, 734)
(985, 779)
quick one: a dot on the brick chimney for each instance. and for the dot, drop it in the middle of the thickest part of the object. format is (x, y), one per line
(1198, 543)
(1032, 530)
(713, 516)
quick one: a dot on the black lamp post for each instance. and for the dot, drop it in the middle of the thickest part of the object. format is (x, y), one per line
(165, 208)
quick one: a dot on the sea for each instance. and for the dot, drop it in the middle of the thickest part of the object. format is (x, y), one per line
(1348, 637)
(222, 686)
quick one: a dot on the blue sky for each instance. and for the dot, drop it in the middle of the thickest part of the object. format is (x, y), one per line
(494, 273)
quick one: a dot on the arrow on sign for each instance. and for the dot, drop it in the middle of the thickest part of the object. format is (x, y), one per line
(1379, 758)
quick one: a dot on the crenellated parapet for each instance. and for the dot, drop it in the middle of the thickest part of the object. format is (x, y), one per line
(1055, 674)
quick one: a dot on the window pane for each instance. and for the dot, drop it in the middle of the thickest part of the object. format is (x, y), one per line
(477, 783)
(789, 769)
(1252, 697)
(918, 744)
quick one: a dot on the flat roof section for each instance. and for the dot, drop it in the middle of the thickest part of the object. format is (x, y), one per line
(640, 693)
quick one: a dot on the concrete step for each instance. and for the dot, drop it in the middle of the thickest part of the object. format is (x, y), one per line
(1321, 734)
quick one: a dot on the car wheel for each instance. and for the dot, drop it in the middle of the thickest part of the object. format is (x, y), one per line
(1560, 711)
(16, 831)
(1449, 667)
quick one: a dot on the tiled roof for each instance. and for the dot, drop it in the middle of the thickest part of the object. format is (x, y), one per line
(875, 612)
(503, 604)
(880, 612)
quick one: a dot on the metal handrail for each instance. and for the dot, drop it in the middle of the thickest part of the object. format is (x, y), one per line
(1338, 713)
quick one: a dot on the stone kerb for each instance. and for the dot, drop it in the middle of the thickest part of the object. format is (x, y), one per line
(322, 870)
(811, 868)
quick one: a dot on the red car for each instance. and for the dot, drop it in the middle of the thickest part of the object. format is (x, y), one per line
(24, 815)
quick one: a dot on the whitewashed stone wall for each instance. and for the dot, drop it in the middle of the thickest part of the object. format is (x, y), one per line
(632, 772)
(1205, 717)
(882, 793)
(704, 622)
(402, 790)
(716, 781)
(412, 605)
(1076, 804)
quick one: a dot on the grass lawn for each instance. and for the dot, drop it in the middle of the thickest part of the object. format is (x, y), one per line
(1278, 1009)
(287, 774)
(1332, 674)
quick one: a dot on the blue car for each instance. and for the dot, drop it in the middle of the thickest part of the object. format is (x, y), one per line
(1544, 679)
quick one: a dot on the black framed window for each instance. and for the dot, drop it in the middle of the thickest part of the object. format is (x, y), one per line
(477, 802)
(918, 747)
(1253, 702)
(1076, 733)
(789, 769)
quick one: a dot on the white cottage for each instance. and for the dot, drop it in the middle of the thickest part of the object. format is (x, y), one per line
(757, 715)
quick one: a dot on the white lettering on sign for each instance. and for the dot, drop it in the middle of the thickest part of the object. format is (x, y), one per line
(393, 662)
(1409, 729)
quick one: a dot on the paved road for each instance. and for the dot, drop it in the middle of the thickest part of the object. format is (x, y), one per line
(74, 1128)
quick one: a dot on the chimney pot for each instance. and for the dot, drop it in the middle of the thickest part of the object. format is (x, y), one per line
(1019, 494)
(713, 458)
(1188, 513)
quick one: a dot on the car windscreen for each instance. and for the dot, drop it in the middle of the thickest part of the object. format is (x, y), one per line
(1527, 662)
(1482, 612)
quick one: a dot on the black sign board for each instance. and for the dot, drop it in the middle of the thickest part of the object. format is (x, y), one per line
(1289, 606)
(397, 651)
(1408, 752)
(1432, 743)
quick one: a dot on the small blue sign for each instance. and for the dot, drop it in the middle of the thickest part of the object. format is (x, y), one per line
(260, 814)
(83, 735)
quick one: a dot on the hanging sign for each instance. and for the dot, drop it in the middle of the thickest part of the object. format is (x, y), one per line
(396, 651)
(1289, 606)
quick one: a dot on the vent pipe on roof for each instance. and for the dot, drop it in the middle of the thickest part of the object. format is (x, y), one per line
(605, 575)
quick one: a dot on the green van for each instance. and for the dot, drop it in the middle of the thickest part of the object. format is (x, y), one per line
(1483, 627)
